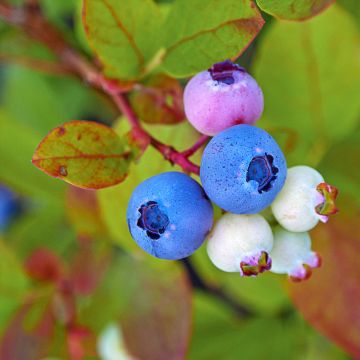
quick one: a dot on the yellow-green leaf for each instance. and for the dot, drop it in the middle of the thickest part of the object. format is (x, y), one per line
(294, 9)
(84, 153)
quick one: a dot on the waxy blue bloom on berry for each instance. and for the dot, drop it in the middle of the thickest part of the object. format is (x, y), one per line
(243, 169)
(169, 215)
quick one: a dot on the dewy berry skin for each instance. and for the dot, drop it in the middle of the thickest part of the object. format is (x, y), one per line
(241, 243)
(223, 96)
(243, 169)
(304, 200)
(292, 255)
(169, 215)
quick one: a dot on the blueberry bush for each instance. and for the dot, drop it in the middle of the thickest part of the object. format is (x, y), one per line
(198, 194)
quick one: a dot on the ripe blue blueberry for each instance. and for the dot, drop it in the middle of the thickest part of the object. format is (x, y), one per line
(169, 215)
(9, 207)
(243, 169)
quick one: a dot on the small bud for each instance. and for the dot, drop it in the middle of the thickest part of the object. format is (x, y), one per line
(304, 200)
(241, 243)
(292, 255)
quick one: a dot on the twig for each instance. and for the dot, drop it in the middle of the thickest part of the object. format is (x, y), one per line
(200, 284)
(45, 66)
(199, 143)
(37, 27)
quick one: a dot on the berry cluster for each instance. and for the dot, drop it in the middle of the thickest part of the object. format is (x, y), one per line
(243, 171)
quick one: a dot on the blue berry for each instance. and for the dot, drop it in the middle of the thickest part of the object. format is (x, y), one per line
(243, 169)
(9, 207)
(169, 215)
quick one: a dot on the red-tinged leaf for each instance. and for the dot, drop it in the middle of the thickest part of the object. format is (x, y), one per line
(156, 323)
(84, 153)
(329, 300)
(31, 344)
(159, 101)
(83, 212)
(88, 267)
(44, 265)
(294, 9)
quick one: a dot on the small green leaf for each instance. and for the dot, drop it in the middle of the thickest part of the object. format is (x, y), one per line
(294, 9)
(84, 153)
(353, 8)
(123, 35)
(309, 73)
(198, 34)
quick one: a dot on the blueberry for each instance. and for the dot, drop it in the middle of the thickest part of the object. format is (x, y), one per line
(223, 96)
(243, 169)
(304, 200)
(9, 207)
(241, 243)
(169, 215)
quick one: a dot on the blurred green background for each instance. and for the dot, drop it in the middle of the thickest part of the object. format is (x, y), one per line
(74, 285)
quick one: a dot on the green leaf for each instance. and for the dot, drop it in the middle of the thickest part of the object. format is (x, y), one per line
(218, 335)
(294, 9)
(309, 73)
(123, 35)
(113, 201)
(13, 284)
(17, 144)
(138, 36)
(196, 35)
(84, 153)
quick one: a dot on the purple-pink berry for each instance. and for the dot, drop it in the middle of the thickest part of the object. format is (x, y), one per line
(223, 96)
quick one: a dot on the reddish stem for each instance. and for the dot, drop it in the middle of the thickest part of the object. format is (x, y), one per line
(199, 143)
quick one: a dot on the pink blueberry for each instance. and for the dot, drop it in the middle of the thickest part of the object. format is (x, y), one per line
(223, 96)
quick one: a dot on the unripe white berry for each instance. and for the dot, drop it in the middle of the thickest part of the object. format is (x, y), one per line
(292, 255)
(241, 243)
(304, 200)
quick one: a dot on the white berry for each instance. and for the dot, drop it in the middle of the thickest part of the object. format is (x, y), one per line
(291, 251)
(241, 243)
(294, 206)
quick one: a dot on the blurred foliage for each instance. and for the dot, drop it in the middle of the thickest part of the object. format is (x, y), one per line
(69, 270)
